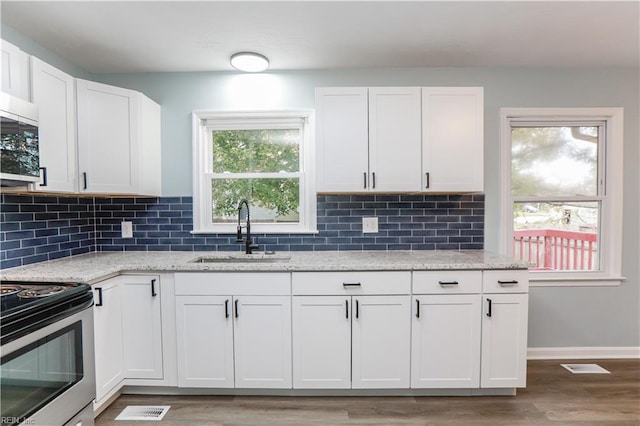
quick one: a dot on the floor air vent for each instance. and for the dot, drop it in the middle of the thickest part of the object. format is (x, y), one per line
(143, 412)
(585, 369)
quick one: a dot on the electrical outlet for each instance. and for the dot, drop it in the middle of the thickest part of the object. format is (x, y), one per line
(369, 225)
(127, 229)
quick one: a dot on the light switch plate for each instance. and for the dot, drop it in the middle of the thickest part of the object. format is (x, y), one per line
(369, 225)
(127, 229)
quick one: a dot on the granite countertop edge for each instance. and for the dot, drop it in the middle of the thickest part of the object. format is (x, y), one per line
(95, 267)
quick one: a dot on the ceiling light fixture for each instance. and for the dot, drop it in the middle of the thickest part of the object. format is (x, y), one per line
(249, 62)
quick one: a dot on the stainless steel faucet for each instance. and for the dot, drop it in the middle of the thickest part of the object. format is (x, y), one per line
(249, 245)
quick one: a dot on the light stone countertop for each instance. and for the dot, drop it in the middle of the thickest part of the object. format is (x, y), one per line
(94, 267)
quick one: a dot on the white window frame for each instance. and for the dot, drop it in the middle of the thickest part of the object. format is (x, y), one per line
(204, 122)
(610, 231)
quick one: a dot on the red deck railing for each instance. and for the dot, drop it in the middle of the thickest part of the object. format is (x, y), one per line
(551, 249)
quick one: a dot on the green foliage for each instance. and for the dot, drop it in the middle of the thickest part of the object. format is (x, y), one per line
(550, 161)
(263, 150)
(256, 151)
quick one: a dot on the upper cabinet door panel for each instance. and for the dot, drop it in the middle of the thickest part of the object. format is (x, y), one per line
(54, 93)
(107, 138)
(452, 138)
(15, 71)
(394, 138)
(342, 133)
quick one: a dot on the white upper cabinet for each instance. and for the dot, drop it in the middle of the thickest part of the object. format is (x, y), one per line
(394, 139)
(54, 93)
(15, 71)
(118, 140)
(368, 139)
(400, 139)
(343, 139)
(452, 137)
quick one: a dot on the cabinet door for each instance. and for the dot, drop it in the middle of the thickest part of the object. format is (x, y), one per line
(452, 138)
(108, 152)
(321, 342)
(381, 341)
(445, 350)
(54, 93)
(395, 138)
(204, 329)
(107, 313)
(504, 341)
(142, 333)
(342, 139)
(262, 341)
(15, 71)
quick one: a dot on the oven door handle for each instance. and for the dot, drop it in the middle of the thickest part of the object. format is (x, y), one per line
(99, 290)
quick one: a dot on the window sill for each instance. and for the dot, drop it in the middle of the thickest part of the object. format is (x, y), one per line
(596, 281)
(256, 231)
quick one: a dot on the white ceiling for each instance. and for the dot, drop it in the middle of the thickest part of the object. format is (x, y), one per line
(147, 36)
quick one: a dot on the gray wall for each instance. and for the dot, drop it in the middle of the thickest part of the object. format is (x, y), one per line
(559, 317)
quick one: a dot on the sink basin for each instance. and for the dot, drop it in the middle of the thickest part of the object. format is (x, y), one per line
(242, 258)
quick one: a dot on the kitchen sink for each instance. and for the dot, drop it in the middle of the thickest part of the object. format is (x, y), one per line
(242, 258)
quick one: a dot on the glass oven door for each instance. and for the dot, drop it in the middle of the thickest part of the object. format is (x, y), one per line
(48, 376)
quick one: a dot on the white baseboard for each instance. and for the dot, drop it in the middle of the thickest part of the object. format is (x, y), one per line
(584, 353)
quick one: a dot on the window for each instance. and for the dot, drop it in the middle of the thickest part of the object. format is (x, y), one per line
(265, 158)
(562, 196)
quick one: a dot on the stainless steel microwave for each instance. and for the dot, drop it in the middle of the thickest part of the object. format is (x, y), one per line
(19, 151)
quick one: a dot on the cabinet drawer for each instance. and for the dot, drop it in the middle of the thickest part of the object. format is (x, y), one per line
(348, 283)
(447, 282)
(232, 283)
(505, 281)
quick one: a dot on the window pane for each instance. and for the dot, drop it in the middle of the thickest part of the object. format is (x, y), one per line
(548, 161)
(557, 236)
(270, 200)
(264, 150)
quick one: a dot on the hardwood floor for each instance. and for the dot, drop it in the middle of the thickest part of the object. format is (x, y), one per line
(553, 396)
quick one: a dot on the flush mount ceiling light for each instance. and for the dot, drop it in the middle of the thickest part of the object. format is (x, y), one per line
(249, 62)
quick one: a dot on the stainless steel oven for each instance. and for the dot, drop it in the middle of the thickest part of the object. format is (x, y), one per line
(47, 372)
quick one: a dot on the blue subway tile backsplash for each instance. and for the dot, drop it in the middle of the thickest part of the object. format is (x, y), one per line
(34, 228)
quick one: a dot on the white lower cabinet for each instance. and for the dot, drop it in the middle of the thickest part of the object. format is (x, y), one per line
(381, 342)
(127, 333)
(446, 341)
(109, 348)
(356, 336)
(142, 331)
(321, 342)
(240, 340)
(504, 329)
(205, 341)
